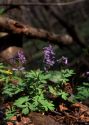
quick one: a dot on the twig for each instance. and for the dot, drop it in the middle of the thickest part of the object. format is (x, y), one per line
(57, 113)
(68, 115)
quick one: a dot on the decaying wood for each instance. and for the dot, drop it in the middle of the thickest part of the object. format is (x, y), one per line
(12, 26)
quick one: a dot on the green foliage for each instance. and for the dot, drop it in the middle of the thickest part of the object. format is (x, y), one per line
(45, 104)
(36, 88)
(11, 89)
(82, 92)
(10, 113)
(23, 103)
(33, 87)
(35, 81)
(62, 76)
(2, 11)
(59, 78)
(13, 86)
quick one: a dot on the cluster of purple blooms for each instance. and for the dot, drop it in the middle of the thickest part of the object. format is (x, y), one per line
(49, 58)
(21, 59)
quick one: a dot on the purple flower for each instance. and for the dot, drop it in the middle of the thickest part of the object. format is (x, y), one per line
(21, 57)
(87, 73)
(63, 60)
(18, 58)
(49, 56)
(18, 69)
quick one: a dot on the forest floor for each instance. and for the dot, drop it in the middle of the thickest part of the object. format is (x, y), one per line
(74, 114)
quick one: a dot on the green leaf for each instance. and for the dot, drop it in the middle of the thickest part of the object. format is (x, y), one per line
(2, 10)
(63, 95)
(21, 102)
(25, 111)
(47, 105)
(61, 76)
(9, 116)
(52, 90)
(83, 93)
(10, 113)
(11, 89)
(32, 106)
(86, 84)
(2, 66)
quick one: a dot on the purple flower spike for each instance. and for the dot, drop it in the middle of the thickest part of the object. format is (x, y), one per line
(49, 56)
(21, 57)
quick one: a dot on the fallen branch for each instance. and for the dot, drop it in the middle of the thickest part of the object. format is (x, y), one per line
(12, 26)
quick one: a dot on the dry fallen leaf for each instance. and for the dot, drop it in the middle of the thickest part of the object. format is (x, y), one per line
(10, 123)
(13, 118)
(25, 120)
(62, 107)
(82, 117)
(76, 105)
(19, 123)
